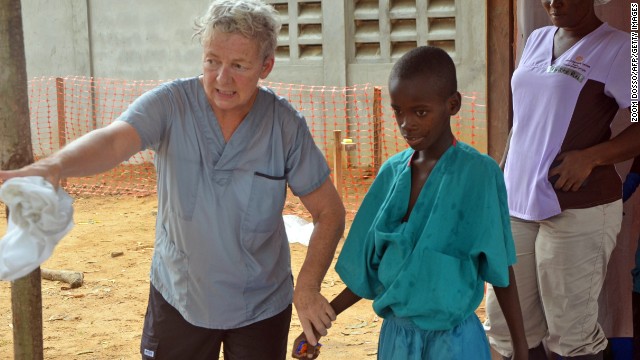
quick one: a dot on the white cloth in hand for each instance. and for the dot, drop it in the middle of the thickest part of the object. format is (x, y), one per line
(39, 217)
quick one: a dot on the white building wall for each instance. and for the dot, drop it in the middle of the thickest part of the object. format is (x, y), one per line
(328, 42)
(324, 43)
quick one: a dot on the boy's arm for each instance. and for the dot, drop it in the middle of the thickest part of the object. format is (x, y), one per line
(510, 306)
(344, 300)
(340, 303)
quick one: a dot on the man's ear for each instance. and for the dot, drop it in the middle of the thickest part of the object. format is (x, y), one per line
(454, 102)
(267, 66)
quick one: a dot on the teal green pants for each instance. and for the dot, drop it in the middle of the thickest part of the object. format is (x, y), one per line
(401, 339)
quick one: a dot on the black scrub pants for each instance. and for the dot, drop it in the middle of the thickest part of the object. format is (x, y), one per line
(168, 336)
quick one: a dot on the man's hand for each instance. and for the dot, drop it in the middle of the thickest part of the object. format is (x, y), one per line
(45, 168)
(314, 312)
(573, 169)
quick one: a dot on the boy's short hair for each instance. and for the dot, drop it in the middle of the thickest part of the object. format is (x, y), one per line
(427, 61)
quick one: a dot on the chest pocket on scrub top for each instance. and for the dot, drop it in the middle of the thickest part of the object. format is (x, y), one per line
(266, 201)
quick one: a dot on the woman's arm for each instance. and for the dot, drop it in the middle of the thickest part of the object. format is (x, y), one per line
(503, 161)
(576, 165)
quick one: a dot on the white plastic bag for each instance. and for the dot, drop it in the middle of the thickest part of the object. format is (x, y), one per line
(39, 217)
(298, 229)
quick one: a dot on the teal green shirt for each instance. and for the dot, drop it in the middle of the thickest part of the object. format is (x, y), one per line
(432, 268)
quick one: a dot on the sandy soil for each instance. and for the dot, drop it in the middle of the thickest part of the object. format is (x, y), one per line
(103, 318)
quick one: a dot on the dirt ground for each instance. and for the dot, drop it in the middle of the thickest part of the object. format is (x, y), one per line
(103, 318)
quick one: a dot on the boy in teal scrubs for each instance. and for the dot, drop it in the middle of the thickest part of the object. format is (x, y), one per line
(432, 229)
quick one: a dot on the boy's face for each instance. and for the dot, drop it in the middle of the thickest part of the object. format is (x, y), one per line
(423, 112)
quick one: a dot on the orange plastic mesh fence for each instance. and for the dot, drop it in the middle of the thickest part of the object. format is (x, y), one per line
(353, 126)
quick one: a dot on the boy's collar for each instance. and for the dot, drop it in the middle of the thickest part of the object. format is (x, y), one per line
(454, 143)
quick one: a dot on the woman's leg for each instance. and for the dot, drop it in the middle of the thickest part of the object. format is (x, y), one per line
(573, 250)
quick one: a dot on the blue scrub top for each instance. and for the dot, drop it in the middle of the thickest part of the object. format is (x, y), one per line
(221, 256)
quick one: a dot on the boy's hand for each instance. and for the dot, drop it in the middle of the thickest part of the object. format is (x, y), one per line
(303, 350)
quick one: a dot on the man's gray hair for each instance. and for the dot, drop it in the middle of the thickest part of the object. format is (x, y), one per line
(252, 19)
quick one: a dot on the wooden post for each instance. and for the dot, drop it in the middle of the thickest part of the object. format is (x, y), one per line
(500, 65)
(62, 121)
(26, 308)
(377, 129)
(16, 152)
(62, 130)
(337, 161)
